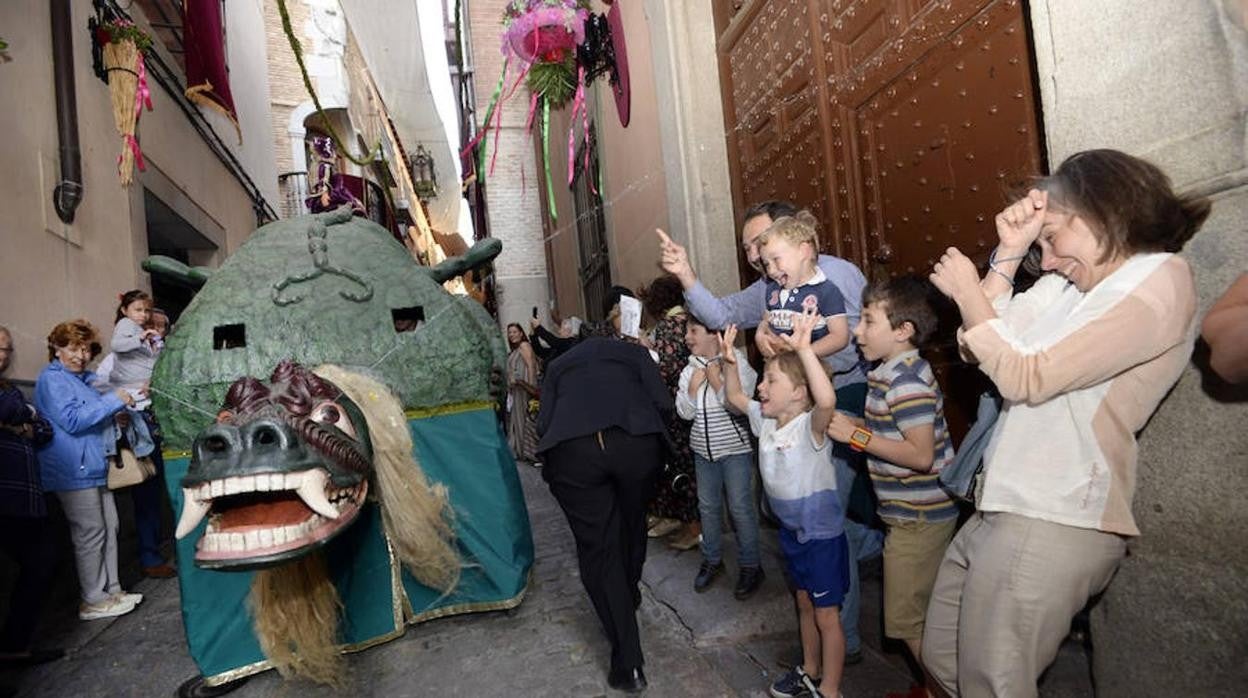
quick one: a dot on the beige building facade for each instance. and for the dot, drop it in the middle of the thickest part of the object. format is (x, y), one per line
(187, 201)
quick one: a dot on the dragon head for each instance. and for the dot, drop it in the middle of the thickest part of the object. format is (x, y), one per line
(284, 469)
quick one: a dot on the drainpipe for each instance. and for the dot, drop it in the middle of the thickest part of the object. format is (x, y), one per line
(68, 192)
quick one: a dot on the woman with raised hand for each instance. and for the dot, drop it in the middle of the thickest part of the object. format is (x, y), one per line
(1082, 360)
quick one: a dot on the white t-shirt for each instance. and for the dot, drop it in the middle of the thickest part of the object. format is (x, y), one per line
(798, 475)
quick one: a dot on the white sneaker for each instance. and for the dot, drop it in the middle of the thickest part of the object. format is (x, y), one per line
(105, 609)
(130, 597)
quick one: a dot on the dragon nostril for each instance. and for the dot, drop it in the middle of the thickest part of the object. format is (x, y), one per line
(266, 436)
(216, 444)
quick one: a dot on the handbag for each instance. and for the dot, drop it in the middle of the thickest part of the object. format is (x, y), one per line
(127, 470)
(958, 478)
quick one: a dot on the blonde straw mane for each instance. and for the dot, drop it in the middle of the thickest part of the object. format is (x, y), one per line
(418, 517)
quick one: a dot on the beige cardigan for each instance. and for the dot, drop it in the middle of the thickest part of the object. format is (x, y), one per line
(1080, 375)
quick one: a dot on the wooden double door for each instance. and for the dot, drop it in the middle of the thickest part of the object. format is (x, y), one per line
(901, 124)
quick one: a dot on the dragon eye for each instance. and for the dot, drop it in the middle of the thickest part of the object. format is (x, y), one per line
(330, 414)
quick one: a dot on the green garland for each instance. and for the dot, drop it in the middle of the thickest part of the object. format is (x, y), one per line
(116, 32)
(556, 82)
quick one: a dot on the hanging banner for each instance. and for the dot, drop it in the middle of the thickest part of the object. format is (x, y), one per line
(207, 80)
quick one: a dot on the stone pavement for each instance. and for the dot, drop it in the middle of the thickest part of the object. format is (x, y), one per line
(696, 644)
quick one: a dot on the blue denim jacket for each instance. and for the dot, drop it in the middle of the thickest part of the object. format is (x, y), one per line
(136, 432)
(81, 420)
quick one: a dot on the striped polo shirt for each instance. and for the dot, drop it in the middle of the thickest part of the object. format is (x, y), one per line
(902, 394)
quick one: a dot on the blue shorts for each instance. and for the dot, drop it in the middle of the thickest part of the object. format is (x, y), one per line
(820, 567)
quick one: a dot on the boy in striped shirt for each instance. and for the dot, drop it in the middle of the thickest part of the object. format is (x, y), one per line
(907, 444)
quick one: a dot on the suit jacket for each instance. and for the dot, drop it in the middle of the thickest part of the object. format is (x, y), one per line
(598, 384)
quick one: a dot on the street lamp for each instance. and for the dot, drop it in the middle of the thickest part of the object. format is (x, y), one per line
(425, 179)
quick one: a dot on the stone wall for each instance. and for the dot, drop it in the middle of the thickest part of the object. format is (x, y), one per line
(1169, 82)
(512, 199)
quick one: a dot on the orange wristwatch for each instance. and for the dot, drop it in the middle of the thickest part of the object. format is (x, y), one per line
(859, 439)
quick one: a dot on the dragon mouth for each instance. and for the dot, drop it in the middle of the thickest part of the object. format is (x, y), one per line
(264, 516)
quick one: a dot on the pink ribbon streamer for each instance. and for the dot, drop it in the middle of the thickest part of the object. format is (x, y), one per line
(142, 97)
(578, 104)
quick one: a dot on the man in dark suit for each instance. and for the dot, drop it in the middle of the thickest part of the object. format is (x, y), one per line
(602, 437)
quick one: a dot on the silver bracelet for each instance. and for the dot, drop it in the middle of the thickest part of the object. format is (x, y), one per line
(1008, 279)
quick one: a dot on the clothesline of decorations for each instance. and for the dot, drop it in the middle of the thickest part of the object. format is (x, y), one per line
(123, 45)
(559, 47)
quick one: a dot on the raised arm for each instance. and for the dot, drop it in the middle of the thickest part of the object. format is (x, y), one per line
(1154, 318)
(955, 275)
(743, 308)
(822, 394)
(734, 396)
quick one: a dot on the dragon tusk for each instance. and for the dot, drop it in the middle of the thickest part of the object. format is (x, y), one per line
(312, 492)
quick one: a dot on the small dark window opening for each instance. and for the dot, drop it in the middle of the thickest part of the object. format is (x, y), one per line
(407, 319)
(229, 336)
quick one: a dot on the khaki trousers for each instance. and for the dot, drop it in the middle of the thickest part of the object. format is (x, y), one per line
(1004, 598)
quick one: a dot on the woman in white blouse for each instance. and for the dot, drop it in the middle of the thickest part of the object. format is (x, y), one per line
(1082, 360)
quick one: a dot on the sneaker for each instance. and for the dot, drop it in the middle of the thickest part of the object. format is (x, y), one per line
(707, 574)
(794, 683)
(749, 579)
(105, 609)
(130, 597)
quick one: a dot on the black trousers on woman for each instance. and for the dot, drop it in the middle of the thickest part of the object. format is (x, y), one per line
(604, 483)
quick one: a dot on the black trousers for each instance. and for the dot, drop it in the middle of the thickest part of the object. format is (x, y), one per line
(604, 483)
(27, 542)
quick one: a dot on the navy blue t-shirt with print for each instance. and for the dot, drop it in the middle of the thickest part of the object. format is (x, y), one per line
(783, 305)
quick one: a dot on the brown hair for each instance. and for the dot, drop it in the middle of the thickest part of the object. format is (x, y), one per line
(524, 336)
(125, 299)
(773, 209)
(663, 294)
(73, 332)
(796, 229)
(904, 299)
(790, 364)
(1127, 202)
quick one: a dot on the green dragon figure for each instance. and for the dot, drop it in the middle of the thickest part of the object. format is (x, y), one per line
(368, 455)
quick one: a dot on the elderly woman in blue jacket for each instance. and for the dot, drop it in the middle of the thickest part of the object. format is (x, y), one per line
(73, 464)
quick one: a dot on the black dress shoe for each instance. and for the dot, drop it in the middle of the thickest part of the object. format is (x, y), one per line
(707, 574)
(748, 582)
(628, 680)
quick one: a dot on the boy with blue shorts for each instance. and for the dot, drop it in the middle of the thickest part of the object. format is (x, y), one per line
(796, 403)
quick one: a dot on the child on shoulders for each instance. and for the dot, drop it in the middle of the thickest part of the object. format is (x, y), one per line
(907, 444)
(789, 249)
(796, 403)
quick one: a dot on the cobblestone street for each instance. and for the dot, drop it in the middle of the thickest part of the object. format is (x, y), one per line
(695, 645)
